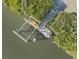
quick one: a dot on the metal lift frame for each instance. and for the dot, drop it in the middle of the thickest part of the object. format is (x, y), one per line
(20, 29)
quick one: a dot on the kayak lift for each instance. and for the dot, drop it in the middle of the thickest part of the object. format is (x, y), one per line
(21, 34)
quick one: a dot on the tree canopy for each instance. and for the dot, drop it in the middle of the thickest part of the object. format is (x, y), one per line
(35, 8)
(64, 27)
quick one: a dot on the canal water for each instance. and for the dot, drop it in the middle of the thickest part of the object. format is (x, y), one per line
(15, 48)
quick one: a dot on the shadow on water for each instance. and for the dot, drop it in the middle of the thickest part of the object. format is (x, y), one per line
(14, 48)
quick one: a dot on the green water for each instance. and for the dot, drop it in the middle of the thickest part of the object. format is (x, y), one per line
(15, 48)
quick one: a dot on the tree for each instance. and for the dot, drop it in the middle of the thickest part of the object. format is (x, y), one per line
(64, 27)
(10, 3)
(35, 8)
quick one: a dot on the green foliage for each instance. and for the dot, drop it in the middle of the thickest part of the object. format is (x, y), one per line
(64, 27)
(35, 8)
(10, 3)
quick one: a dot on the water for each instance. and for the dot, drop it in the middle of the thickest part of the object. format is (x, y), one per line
(15, 48)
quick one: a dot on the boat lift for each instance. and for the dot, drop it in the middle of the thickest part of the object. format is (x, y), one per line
(21, 31)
